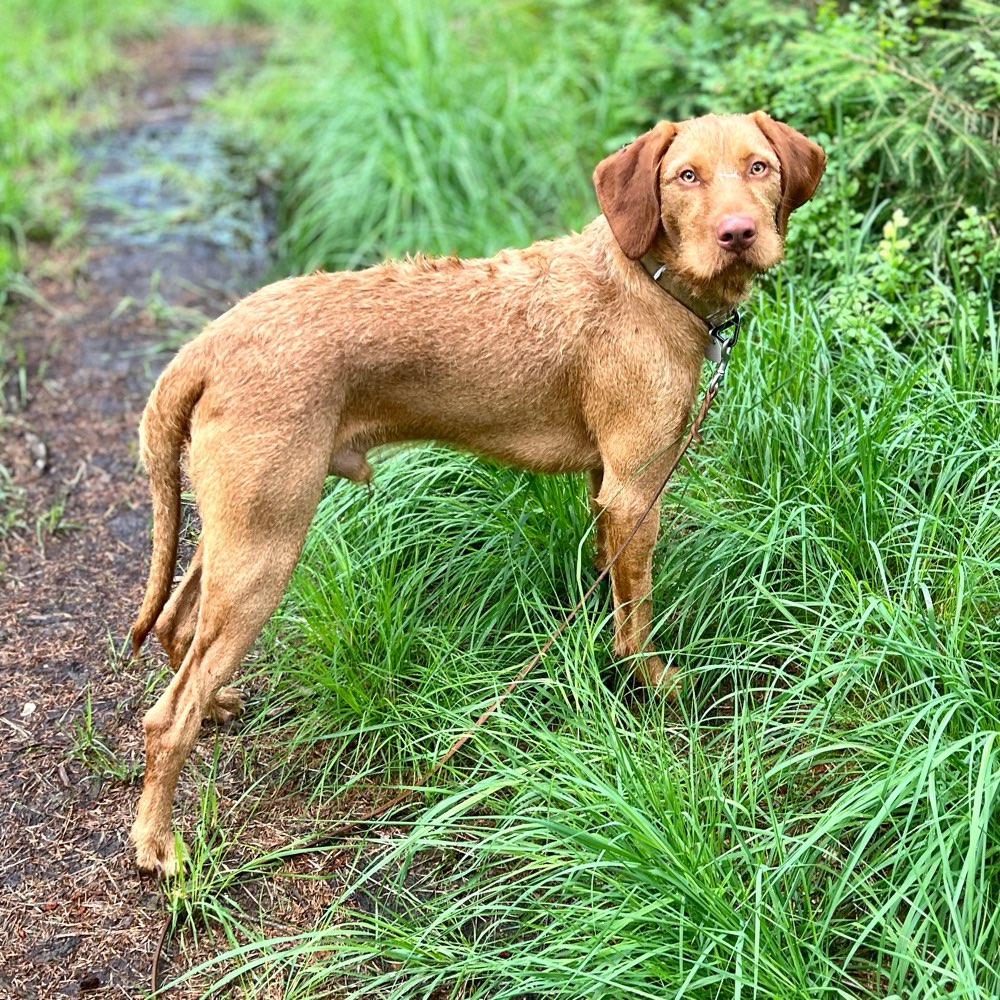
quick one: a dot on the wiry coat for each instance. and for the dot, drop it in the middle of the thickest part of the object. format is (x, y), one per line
(564, 356)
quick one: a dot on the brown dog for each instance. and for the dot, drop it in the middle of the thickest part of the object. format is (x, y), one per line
(565, 356)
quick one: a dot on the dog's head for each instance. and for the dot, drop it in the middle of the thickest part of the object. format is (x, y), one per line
(710, 197)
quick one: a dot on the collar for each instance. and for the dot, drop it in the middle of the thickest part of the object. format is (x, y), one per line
(717, 322)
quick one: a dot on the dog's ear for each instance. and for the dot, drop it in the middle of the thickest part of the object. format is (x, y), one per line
(802, 163)
(628, 189)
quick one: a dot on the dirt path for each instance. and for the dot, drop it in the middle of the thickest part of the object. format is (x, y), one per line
(173, 233)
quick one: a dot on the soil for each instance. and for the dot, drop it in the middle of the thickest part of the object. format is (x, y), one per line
(173, 233)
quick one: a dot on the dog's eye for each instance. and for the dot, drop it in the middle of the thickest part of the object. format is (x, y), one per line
(758, 168)
(687, 176)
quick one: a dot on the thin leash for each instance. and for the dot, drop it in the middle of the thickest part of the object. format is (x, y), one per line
(722, 338)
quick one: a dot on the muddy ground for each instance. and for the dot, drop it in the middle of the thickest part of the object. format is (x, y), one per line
(173, 232)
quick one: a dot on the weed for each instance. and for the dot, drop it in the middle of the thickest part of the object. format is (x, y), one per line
(12, 501)
(53, 521)
(93, 749)
(174, 324)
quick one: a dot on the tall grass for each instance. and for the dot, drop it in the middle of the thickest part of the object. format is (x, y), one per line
(452, 127)
(818, 816)
(819, 813)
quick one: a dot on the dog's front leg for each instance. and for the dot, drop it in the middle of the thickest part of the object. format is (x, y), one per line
(622, 502)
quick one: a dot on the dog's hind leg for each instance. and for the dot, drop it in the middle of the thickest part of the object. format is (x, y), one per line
(595, 479)
(234, 608)
(175, 629)
(176, 624)
(251, 542)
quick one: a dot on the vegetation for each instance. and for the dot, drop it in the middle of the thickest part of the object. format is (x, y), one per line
(819, 814)
(51, 53)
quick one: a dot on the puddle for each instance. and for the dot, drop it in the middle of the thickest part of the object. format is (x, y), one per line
(175, 211)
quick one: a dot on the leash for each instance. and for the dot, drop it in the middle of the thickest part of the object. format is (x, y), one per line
(722, 339)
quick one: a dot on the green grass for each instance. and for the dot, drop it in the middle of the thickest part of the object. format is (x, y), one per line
(818, 816)
(52, 54)
(454, 127)
(819, 813)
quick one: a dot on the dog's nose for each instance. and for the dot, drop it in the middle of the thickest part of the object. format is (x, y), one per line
(736, 232)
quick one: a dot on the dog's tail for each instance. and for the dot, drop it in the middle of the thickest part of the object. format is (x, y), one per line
(163, 433)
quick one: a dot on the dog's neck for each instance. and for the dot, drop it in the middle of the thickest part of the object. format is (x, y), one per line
(669, 282)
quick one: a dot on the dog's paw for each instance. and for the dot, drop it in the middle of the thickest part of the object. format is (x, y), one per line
(226, 705)
(155, 856)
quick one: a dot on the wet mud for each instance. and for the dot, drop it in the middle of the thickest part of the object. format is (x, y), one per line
(175, 230)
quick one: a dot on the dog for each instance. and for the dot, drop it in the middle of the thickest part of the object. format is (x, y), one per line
(577, 354)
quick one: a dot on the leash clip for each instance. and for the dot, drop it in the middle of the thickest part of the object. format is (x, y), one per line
(720, 347)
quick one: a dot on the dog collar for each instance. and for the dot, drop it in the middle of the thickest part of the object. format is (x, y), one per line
(718, 323)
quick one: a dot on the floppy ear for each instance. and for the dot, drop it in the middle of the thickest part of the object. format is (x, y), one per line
(628, 189)
(802, 163)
